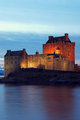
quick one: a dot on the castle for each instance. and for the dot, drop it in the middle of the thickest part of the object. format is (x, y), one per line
(58, 54)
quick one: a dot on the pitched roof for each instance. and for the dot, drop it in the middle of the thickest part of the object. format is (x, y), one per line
(57, 39)
(15, 53)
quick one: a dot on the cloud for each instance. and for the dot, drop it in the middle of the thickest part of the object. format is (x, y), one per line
(77, 62)
(38, 28)
(1, 62)
(1, 59)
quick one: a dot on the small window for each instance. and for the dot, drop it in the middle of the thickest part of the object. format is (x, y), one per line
(11, 62)
(11, 58)
(6, 58)
(57, 60)
(15, 62)
(15, 57)
(49, 58)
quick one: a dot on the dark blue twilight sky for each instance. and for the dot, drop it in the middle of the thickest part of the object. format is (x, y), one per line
(28, 23)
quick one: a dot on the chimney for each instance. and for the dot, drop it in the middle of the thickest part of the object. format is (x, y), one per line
(24, 50)
(50, 37)
(8, 52)
(37, 53)
(66, 36)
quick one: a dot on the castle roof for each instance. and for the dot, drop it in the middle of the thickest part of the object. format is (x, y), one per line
(57, 39)
(15, 53)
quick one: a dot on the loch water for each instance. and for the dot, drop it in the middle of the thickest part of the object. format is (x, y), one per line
(24, 102)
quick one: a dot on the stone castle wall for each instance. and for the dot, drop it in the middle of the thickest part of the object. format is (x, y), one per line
(51, 62)
(14, 62)
(11, 63)
(43, 61)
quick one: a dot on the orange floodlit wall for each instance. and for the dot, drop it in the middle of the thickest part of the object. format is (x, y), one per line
(23, 65)
(23, 60)
(65, 49)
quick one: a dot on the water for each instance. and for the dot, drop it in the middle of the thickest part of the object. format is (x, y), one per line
(1, 76)
(39, 103)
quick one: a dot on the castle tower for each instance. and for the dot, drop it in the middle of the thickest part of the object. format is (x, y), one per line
(60, 45)
(14, 60)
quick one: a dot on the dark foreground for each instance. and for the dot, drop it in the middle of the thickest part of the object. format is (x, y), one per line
(43, 77)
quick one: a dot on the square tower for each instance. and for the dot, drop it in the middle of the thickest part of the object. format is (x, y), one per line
(60, 45)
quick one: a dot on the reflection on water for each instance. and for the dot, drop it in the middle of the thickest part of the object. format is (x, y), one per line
(39, 103)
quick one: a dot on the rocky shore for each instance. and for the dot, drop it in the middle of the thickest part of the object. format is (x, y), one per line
(33, 76)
